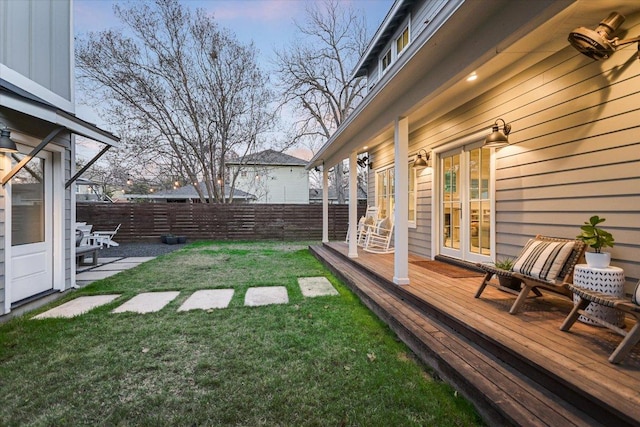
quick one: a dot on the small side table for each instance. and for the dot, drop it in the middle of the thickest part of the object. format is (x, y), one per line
(609, 281)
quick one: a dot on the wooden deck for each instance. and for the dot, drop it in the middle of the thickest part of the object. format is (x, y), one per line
(520, 369)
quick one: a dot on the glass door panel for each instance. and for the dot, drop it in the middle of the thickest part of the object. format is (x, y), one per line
(466, 217)
(31, 227)
(451, 203)
(478, 202)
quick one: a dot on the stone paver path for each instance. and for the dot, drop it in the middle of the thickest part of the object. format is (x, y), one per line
(147, 302)
(77, 306)
(266, 295)
(316, 287)
(207, 299)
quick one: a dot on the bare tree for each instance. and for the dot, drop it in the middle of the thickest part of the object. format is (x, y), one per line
(315, 74)
(182, 91)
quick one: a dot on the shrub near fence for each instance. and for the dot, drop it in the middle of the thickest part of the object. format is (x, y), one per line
(147, 222)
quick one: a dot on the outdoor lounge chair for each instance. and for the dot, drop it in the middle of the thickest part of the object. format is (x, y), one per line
(104, 238)
(379, 238)
(544, 263)
(586, 297)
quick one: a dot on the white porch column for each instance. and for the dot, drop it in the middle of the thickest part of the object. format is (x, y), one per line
(401, 213)
(353, 205)
(325, 205)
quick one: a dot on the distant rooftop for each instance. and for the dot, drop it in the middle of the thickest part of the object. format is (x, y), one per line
(189, 192)
(270, 158)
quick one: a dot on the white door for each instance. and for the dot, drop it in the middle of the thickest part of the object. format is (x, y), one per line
(31, 227)
(466, 203)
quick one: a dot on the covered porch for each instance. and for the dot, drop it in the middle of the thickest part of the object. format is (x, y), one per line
(520, 369)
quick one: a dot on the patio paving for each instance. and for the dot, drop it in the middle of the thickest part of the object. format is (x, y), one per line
(208, 299)
(93, 275)
(77, 306)
(135, 259)
(116, 266)
(266, 295)
(147, 302)
(316, 287)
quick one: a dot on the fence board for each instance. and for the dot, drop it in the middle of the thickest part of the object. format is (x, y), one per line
(147, 222)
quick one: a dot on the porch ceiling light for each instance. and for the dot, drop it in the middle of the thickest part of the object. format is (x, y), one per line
(497, 138)
(6, 143)
(421, 163)
(598, 44)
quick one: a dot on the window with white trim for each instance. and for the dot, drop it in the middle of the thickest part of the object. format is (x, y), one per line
(402, 41)
(385, 61)
(385, 193)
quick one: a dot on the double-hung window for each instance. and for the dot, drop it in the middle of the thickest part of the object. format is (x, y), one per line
(385, 193)
(393, 52)
(385, 61)
(402, 41)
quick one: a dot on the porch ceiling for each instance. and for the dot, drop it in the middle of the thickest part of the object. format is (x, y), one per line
(501, 38)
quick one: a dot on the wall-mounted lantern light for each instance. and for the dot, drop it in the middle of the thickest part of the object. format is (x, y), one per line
(496, 138)
(7, 145)
(422, 162)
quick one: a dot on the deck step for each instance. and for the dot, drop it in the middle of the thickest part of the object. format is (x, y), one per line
(501, 394)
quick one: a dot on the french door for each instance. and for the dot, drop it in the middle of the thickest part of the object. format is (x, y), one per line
(466, 203)
(31, 227)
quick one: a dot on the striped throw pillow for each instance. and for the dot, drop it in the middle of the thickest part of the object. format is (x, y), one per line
(543, 260)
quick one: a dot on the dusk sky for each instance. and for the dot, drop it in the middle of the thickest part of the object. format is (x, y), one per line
(268, 23)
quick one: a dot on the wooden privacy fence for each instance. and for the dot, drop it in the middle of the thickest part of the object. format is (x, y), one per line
(147, 222)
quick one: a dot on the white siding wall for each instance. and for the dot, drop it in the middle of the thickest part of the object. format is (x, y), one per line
(35, 41)
(276, 184)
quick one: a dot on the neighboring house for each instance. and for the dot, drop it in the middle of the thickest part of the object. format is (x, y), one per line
(37, 207)
(187, 194)
(441, 73)
(272, 176)
(90, 191)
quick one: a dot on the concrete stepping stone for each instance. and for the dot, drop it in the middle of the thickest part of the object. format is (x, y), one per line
(207, 299)
(137, 259)
(93, 275)
(117, 266)
(77, 306)
(266, 295)
(104, 260)
(316, 287)
(147, 302)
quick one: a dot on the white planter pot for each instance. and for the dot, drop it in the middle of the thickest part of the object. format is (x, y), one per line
(598, 260)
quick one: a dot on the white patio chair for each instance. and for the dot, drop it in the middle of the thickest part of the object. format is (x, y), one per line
(379, 238)
(104, 238)
(369, 219)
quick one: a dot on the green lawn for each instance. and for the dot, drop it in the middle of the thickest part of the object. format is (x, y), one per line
(315, 361)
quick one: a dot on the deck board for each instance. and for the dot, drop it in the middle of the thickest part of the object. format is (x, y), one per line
(578, 357)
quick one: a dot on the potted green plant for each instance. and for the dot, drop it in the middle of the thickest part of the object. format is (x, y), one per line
(596, 238)
(507, 281)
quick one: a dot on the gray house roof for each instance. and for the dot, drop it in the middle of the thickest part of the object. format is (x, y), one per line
(269, 158)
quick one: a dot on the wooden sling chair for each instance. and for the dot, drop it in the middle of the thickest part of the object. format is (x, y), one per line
(587, 296)
(544, 263)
